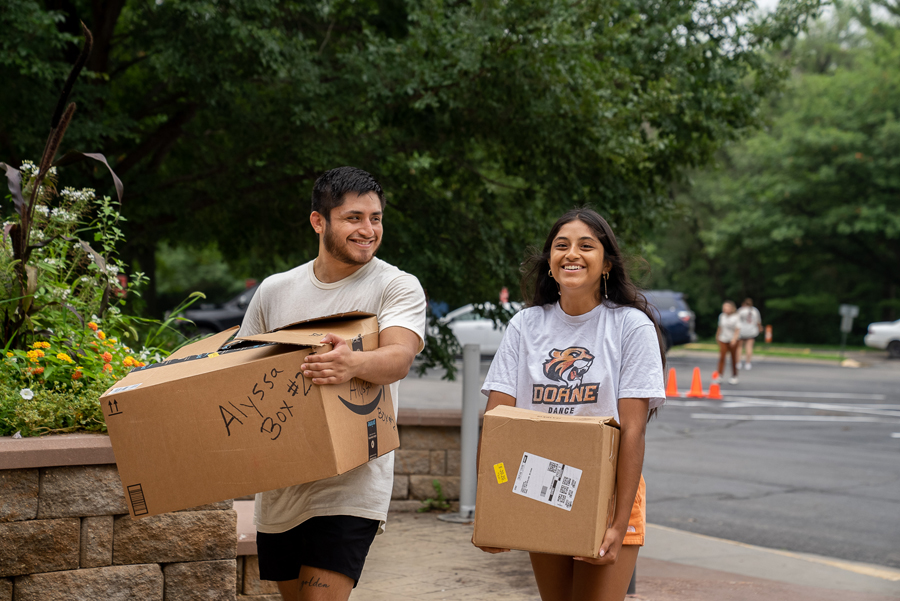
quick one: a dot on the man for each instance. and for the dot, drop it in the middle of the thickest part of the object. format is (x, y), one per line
(313, 538)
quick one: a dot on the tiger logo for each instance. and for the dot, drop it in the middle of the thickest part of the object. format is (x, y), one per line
(568, 366)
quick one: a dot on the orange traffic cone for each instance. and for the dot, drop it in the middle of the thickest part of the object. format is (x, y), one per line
(672, 384)
(714, 391)
(696, 391)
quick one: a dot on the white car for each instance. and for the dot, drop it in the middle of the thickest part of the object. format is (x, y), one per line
(471, 328)
(885, 335)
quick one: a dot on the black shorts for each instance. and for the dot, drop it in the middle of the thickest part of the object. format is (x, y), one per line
(338, 543)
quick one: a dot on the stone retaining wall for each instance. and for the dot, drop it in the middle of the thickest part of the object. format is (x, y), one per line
(66, 536)
(426, 454)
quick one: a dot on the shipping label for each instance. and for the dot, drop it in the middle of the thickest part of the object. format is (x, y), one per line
(547, 481)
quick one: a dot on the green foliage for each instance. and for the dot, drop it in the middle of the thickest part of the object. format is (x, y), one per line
(436, 503)
(803, 215)
(482, 120)
(51, 409)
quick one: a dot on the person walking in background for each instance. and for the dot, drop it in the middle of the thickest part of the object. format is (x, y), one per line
(727, 336)
(587, 324)
(751, 324)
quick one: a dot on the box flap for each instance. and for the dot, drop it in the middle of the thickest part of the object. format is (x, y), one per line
(511, 412)
(348, 326)
(210, 344)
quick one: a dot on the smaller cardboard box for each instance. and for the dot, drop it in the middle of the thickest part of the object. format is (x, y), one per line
(220, 419)
(546, 483)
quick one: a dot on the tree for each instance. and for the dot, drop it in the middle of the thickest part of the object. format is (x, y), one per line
(483, 120)
(805, 214)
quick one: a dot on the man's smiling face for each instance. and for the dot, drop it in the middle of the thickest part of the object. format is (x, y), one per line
(353, 233)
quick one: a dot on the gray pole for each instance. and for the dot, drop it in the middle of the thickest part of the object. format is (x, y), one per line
(469, 430)
(468, 476)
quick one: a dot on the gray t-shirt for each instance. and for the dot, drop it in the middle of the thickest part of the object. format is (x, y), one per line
(397, 299)
(578, 365)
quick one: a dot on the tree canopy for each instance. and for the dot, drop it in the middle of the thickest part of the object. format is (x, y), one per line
(483, 120)
(805, 214)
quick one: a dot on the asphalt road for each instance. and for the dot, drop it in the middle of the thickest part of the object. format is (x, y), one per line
(799, 456)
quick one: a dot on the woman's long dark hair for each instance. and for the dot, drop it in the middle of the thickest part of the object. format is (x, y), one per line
(541, 289)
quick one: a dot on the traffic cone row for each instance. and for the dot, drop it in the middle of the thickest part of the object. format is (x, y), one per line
(696, 391)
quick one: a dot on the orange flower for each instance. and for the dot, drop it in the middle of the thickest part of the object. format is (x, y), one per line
(36, 371)
(107, 367)
(101, 335)
(140, 364)
(93, 326)
(77, 375)
(107, 357)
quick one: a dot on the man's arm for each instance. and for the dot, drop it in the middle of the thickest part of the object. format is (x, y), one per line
(390, 362)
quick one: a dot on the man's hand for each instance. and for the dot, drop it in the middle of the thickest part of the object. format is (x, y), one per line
(609, 549)
(337, 366)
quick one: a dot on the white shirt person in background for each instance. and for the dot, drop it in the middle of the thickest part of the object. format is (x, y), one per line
(727, 336)
(751, 324)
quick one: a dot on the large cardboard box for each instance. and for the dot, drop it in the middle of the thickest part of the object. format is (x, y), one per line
(546, 483)
(217, 421)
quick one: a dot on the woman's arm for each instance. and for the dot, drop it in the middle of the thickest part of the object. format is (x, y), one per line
(633, 414)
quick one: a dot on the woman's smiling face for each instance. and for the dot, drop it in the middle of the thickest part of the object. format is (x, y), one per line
(577, 260)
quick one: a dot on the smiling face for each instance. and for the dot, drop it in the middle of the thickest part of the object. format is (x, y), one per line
(577, 259)
(353, 233)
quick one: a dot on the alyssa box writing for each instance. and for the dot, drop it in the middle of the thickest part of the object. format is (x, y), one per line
(220, 419)
(546, 483)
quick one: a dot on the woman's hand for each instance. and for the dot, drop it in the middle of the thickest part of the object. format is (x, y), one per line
(609, 549)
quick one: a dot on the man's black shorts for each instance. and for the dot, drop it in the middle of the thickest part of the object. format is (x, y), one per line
(338, 543)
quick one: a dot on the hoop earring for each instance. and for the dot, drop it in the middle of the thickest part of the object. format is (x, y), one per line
(605, 290)
(550, 273)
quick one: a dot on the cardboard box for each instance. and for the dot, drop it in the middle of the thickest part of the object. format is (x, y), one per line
(546, 483)
(215, 422)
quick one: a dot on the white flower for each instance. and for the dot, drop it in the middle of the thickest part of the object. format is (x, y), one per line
(26, 394)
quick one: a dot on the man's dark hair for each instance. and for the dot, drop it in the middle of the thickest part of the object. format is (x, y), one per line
(329, 190)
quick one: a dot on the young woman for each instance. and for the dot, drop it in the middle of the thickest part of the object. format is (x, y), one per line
(727, 336)
(586, 324)
(751, 324)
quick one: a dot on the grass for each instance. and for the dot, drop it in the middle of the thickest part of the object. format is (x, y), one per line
(825, 352)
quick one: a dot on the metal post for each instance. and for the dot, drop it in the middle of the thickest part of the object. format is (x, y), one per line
(471, 394)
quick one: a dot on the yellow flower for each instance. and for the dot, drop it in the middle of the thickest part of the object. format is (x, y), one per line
(64, 357)
(34, 355)
(101, 335)
(10, 354)
(129, 361)
(45, 345)
(113, 340)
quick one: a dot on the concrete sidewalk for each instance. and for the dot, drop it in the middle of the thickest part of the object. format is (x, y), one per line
(420, 557)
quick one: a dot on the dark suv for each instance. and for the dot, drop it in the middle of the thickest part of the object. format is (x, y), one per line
(211, 319)
(675, 317)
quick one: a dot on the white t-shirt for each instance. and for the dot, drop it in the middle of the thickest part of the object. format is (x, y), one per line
(727, 326)
(397, 299)
(578, 365)
(750, 320)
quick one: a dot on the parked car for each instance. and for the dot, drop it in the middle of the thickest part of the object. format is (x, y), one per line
(211, 319)
(471, 328)
(674, 315)
(885, 335)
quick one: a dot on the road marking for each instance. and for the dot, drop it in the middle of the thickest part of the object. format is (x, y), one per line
(858, 568)
(798, 418)
(745, 402)
(807, 395)
(895, 434)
